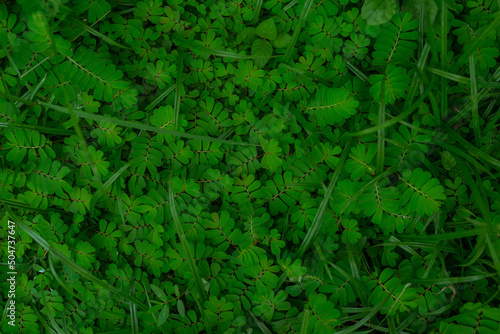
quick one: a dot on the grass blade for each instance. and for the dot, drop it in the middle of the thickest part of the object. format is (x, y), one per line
(302, 18)
(108, 183)
(96, 33)
(444, 53)
(381, 132)
(370, 315)
(494, 255)
(219, 53)
(473, 185)
(256, 14)
(178, 87)
(134, 322)
(38, 128)
(484, 34)
(356, 71)
(320, 215)
(448, 75)
(123, 123)
(290, 5)
(474, 100)
(450, 280)
(305, 322)
(442, 237)
(259, 323)
(396, 119)
(70, 263)
(190, 258)
(307, 73)
(184, 243)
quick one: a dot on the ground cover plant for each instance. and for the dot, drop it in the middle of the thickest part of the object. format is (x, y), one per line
(250, 166)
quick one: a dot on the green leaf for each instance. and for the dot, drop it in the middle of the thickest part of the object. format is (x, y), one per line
(261, 48)
(272, 151)
(395, 81)
(420, 192)
(267, 29)
(333, 105)
(282, 40)
(421, 8)
(350, 233)
(378, 12)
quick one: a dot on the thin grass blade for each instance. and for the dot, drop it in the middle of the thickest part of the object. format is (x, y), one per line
(302, 18)
(219, 53)
(474, 100)
(123, 123)
(70, 263)
(320, 215)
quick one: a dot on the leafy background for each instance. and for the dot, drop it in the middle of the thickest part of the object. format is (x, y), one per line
(251, 166)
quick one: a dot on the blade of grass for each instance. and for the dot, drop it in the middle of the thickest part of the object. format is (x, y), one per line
(25, 206)
(417, 80)
(404, 247)
(109, 182)
(83, 142)
(442, 237)
(290, 5)
(13, 64)
(394, 119)
(476, 252)
(38, 128)
(184, 243)
(307, 73)
(256, 14)
(96, 33)
(474, 100)
(411, 245)
(472, 151)
(45, 322)
(178, 87)
(483, 94)
(390, 320)
(370, 315)
(381, 132)
(484, 34)
(302, 18)
(70, 263)
(473, 185)
(368, 185)
(259, 323)
(316, 224)
(219, 53)
(187, 250)
(437, 251)
(134, 322)
(305, 322)
(160, 97)
(59, 280)
(52, 321)
(351, 278)
(322, 257)
(356, 71)
(494, 255)
(449, 280)
(444, 60)
(127, 123)
(448, 75)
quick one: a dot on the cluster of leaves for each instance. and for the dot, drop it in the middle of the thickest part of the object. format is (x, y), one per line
(250, 166)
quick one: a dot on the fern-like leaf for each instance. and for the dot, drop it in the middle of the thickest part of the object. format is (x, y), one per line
(88, 71)
(334, 105)
(420, 192)
(396, 40)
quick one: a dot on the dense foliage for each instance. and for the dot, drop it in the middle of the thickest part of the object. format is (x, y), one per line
(249, 166)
